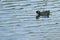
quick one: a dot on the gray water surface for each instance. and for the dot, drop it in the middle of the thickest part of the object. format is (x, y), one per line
(18, 22)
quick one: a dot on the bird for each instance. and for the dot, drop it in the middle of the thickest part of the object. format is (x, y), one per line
(43, 13)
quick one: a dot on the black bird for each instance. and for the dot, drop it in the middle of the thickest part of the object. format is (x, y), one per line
(44, 13)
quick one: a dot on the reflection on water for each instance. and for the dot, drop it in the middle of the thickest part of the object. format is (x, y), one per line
(18, 22)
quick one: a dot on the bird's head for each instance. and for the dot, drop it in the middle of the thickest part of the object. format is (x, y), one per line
(38, 12)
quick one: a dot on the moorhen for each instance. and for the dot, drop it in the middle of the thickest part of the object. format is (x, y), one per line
(43, 13)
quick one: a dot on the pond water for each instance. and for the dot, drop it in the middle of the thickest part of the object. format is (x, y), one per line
(18, 22)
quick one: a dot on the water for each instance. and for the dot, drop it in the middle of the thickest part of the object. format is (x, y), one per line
(18, 22)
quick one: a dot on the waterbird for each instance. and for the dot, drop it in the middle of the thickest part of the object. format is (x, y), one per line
(43, 13)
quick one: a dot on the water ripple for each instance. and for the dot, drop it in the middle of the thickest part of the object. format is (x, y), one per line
(18, 22)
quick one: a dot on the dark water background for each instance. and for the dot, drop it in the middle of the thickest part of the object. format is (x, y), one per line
(17, 20)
